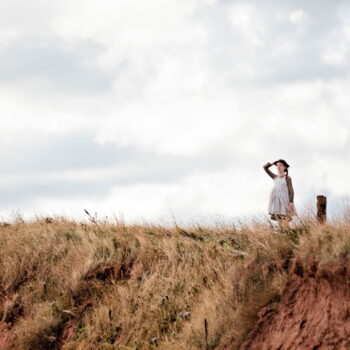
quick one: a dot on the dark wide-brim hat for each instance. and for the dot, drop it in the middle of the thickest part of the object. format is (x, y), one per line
(281, 161)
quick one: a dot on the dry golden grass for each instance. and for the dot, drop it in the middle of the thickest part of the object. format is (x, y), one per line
(107, 285)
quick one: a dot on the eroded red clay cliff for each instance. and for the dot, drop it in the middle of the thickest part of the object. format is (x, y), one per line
(313, 313)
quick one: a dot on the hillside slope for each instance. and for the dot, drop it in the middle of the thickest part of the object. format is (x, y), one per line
(313, 313)
(108, 285)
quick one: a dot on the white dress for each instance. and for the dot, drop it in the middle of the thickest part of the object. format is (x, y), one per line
(279, 198)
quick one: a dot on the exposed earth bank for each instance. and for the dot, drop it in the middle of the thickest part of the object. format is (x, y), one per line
(313, 312)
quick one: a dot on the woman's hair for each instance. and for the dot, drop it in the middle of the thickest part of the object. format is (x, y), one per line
(285, 164)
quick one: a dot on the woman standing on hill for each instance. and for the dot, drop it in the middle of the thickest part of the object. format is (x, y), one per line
(281, 201)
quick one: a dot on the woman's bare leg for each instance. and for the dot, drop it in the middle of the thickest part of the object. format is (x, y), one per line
(286, 224)
(283, 224)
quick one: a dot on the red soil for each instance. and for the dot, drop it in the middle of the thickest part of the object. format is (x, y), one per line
(6, 336)
(313, 313)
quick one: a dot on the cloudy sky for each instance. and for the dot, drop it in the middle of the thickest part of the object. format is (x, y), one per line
(159, 108)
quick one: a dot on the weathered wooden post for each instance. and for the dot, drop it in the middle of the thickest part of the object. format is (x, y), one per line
(321, 208)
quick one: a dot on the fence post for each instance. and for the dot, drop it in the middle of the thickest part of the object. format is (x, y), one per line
(321, 208)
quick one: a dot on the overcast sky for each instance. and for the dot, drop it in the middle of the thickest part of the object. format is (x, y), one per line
(158, 108)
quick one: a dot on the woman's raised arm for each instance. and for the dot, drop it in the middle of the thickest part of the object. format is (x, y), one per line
(269, 172)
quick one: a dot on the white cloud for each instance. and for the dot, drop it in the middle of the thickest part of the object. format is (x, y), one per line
(217, 88)
(246, 19)
(335, 55)
(299, 16)
(6, 36)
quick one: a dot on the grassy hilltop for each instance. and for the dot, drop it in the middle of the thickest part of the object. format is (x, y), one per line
(108, 285)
